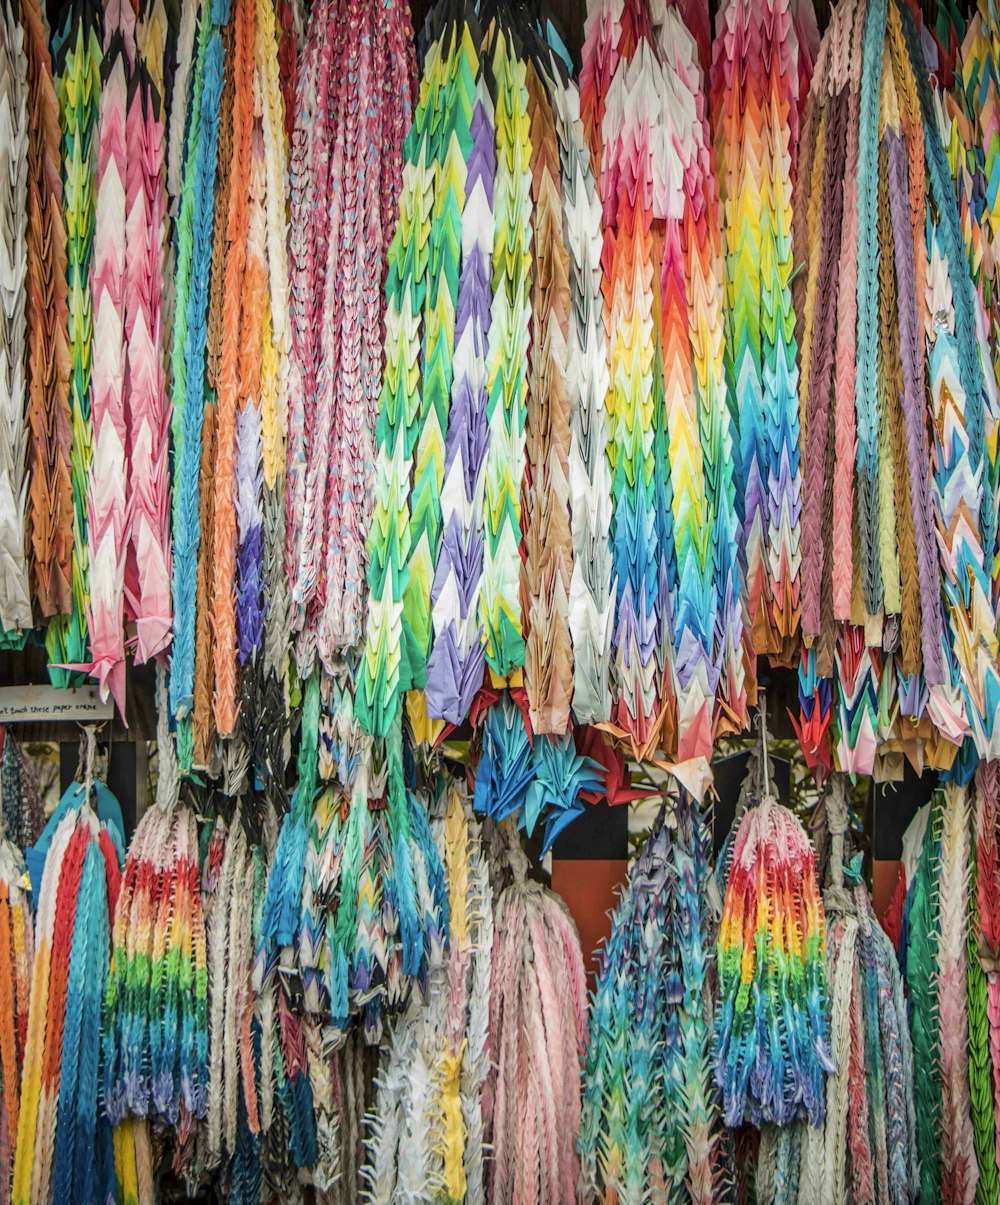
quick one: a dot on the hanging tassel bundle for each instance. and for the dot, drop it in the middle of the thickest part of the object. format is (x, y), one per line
(20, 806)
(866, 1149)
(771, 1029)
(358, 902)
(922, 954)
(15, 434)
(16, 952)
(65, 1146)
(983, 985)
(947, 925)
(679, 640)
(755, 83)
(537, 1031)
(155, 1023)
(427, 1135)
(231, 919)
(650, 1114)
(959, 1171)
(589, 470)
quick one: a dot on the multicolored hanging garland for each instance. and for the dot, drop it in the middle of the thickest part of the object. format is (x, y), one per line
(681, 648)
(154, 1023)
(870, 347)
(65, 1145)
(496, 189)
(429, 1107)
(650, 1112)
(353, 109)
(867, 1147)
(755, 88)
(770, 1061)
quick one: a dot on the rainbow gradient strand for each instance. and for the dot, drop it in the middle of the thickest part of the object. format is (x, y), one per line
(755, 102)
(681, 663)
(155, 1024)
(771, 1031)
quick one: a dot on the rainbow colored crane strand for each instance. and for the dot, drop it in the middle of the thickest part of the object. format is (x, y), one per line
(641, 632)
(679, 641)
(771, 1029)
(976, 85)
(876, 623)
(756, 78)
(984, 980)
(501, 442)
(456, 662)
(958, 496)
(155, 1022)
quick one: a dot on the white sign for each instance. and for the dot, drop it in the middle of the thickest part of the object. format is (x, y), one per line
(39, 704)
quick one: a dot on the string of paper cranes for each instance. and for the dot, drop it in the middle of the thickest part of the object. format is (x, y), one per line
(547, 405)
(409, 400)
